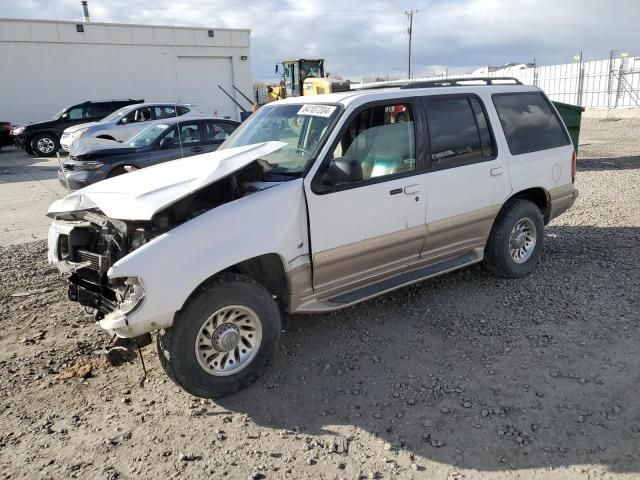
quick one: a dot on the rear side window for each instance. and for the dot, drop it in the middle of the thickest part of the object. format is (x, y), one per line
(459, 132)
(165, 111)
(183, 110)
(529, 122)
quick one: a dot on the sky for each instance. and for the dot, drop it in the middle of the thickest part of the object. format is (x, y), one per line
(367, 39)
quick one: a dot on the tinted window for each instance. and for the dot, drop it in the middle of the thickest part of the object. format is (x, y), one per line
(165, 111)
(381, 139)
(488, 148)
(77, 113)
(529, 123)
(453, 132)
(101, 109)
(183, 110)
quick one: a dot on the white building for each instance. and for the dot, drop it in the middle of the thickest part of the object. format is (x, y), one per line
(48, 65)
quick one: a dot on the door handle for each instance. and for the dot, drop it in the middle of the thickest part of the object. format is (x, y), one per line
(412, 189)
(496, 171)
(197, 149)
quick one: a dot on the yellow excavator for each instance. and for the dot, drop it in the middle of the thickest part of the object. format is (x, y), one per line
(304, 77)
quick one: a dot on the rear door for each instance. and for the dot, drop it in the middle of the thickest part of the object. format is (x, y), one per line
(468, 178)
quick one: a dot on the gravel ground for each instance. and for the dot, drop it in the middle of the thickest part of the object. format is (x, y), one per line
(466, 376)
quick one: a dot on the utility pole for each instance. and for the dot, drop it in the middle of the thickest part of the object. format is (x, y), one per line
(409, 14)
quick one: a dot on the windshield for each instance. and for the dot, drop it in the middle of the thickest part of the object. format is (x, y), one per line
(147, 136)
(59, 114)
(302, 127)
(118, 114)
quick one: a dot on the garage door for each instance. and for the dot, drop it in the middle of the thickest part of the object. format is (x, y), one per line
(199, 78)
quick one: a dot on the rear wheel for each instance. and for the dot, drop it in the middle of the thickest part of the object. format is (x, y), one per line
(45, 144)
(516, 239)
(223, 339)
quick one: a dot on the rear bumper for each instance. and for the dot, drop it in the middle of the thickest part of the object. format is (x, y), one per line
(561, 200)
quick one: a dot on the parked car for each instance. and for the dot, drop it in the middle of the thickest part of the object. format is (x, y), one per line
(43, 138)
(126, 122)
(5, 137)
(313, 204)
(94, 159)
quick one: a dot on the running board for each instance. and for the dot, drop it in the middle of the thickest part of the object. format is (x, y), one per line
(406, 278)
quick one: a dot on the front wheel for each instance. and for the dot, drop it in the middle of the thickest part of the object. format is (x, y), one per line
(515, 243)
(223, 339)
(45, 145)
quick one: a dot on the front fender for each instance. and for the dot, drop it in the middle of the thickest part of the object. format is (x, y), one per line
(174, 264)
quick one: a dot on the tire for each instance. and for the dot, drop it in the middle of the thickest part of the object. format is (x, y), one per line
(27, 148)
(518, 255)
(116, 171)
(44, 144)
(188, 346)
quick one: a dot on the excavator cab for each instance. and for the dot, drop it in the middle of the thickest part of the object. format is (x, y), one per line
(297, 71)
(303, 77)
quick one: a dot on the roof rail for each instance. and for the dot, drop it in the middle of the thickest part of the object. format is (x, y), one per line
(458, 82)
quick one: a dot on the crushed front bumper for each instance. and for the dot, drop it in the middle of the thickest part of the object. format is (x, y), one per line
(119, 302)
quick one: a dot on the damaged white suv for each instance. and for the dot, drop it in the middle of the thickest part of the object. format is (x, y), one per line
(312, 205)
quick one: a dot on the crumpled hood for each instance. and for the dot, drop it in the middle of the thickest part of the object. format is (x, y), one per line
(140, 194)
(74, 128)
(98, 146)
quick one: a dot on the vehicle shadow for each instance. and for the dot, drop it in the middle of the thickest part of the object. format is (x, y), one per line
(475, 371)
(18, 166)
(608, 163)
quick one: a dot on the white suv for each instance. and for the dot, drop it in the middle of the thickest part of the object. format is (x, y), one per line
(125, 122)
(312, 205)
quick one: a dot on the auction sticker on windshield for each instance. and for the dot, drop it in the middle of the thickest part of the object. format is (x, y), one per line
(317, 110)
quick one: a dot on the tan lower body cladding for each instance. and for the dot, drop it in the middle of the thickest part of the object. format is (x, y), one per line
(348, 267)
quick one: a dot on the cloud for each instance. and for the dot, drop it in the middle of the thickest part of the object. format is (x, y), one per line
(369, 39)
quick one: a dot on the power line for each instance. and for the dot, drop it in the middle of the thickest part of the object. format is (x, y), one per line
(409, 14)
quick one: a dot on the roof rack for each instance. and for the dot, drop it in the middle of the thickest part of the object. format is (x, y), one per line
(461, 82)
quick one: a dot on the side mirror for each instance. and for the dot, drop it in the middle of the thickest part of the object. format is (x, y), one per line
(124, 121)
(166, 142)
(341, 170)
(65, 116)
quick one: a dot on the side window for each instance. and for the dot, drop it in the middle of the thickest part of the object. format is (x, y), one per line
(217, 132)
(381, 139)
(529, 122)
(77, 113)
(167, 111)
(101, 110)
(142, 114)
(190, 133)
(486, 141)
(183, 110)
(455, 140)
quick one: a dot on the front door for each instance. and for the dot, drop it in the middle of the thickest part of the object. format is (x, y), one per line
(468, 180)
(375, 223)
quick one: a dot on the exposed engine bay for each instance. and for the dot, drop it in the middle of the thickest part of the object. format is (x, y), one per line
(88, 243)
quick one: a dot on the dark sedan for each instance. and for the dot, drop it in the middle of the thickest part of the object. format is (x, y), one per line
(5, 138)
(93, 159)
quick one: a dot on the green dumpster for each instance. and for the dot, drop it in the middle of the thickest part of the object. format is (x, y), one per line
(571, 116)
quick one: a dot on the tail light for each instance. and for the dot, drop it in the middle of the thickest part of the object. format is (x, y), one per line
(574, 166)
